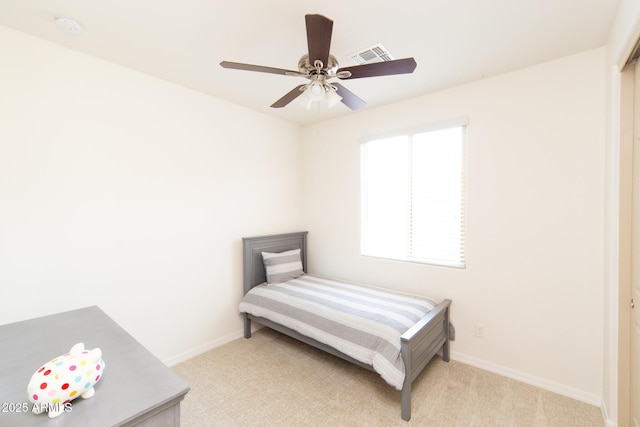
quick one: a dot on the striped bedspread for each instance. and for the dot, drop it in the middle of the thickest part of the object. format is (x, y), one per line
(360, 321)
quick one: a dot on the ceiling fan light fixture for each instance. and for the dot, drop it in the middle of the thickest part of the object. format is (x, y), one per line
(306, 102)
(332, 98)
(322, 93)
(315, 91)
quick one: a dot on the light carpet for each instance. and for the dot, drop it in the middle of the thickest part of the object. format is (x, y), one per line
(273, 380)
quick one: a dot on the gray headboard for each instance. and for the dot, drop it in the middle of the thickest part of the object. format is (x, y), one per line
(252, 248)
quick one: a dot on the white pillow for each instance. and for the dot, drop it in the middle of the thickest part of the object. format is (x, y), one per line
(282, 266)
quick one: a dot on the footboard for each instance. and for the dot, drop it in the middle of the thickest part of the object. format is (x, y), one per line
(419, 344)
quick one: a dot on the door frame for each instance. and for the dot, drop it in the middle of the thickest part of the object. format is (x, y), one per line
(625, 205)
(621, 44)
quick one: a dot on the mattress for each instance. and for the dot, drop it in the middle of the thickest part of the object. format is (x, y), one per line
(360, 321)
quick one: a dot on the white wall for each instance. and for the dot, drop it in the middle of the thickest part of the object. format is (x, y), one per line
(125, 191)
(535, 223)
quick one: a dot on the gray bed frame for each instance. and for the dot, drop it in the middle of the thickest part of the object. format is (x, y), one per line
(418, 345)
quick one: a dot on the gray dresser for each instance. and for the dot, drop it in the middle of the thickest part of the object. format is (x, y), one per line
(136, 389)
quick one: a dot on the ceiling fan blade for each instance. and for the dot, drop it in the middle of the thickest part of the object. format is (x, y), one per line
(349, 98)
(397, 66)
(290, 96)
(319, 29)
(259, 68)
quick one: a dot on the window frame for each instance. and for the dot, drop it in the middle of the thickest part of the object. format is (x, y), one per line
(462, 122)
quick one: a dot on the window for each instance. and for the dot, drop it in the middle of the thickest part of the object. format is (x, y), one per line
(413, 195)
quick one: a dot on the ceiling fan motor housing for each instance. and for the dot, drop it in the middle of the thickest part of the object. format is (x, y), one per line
(305, 67)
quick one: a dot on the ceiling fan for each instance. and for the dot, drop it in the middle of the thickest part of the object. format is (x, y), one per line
(319, 66)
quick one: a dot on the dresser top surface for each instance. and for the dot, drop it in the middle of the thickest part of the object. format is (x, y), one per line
(134, 380)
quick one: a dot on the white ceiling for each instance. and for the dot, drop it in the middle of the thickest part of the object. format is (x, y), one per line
(453, 41)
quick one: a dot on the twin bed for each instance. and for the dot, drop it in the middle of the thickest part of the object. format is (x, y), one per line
(391, 333)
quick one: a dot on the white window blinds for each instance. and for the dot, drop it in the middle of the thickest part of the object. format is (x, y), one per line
(413, 195)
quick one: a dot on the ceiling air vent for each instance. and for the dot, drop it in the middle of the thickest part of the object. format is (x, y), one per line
(375, 53)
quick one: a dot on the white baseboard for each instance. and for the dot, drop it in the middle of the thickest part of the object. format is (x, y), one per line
(542, 383)
(203, 348)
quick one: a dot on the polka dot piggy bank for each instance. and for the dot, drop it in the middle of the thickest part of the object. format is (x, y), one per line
(54, 385)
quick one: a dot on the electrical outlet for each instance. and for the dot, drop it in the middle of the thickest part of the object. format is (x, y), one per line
(479, 330)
